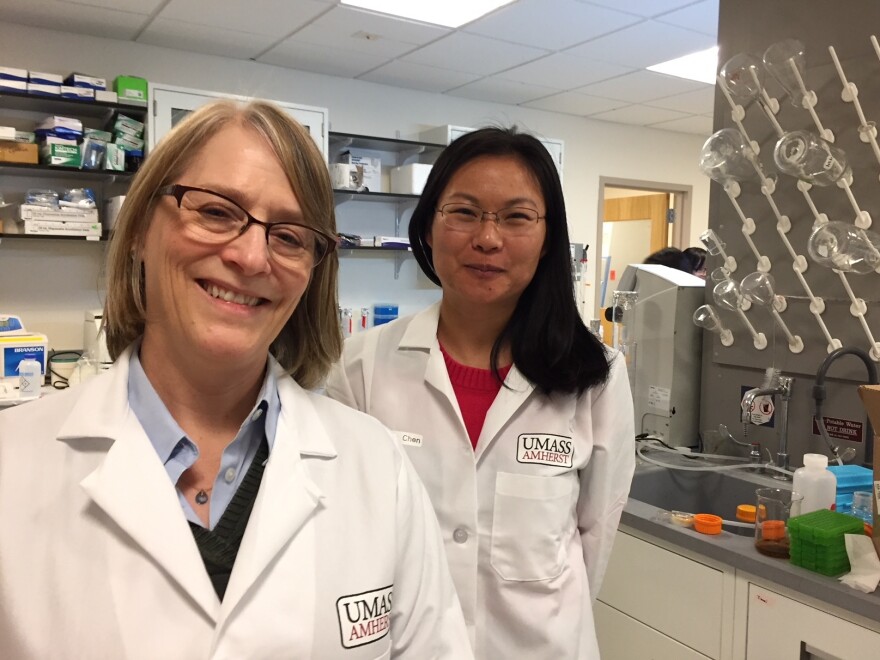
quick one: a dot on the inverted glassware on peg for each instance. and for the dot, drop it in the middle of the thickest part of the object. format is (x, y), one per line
(786, 61)
(728, 296)
(743, 78)
(715, 247)
(727, 159)
(759, 288)
(706, 317)
(844, 247)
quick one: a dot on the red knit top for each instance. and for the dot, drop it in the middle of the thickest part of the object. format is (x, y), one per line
(475, 389)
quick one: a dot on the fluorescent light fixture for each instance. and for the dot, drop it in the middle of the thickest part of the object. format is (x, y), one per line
(701, 66)
(438, 12)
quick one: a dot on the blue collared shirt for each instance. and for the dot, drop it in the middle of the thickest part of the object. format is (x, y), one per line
(178, 453)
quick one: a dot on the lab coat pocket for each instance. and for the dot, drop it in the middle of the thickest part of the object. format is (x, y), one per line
(531, 517)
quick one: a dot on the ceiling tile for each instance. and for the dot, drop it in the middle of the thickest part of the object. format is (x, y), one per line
(69, 17)
(550, 24)
(641, 115)
(699, 102)
(641, 86)
(563, 72)
(573, 103)
(702, 17)
(645, 8)
(341, 22)
(316, 58)
(473, 54)
(274, 18)
(418, 76)
(498, 90)
(204, 39)
(643, 44)
(696, 125)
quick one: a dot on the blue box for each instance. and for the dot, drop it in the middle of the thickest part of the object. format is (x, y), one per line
(384, 313)
(850, 478)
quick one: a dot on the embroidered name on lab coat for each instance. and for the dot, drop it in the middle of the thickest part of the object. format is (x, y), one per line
(544, 449)
(410, 439)
(364, 618)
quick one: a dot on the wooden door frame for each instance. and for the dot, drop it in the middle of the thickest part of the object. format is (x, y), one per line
(682, 196)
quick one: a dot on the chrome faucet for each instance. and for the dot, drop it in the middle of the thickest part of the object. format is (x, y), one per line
(781, 388)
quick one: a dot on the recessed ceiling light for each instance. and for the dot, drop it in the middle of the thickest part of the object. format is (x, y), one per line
(438, 12)
(701, 66)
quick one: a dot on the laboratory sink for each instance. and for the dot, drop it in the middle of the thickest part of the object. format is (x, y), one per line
(718, 493)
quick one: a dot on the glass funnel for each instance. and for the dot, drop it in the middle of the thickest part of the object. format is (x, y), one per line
(725, 157)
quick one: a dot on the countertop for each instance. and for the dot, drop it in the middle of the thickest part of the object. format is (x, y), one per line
(739, 552)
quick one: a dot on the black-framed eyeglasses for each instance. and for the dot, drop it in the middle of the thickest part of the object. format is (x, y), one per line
(212, 217)
(511, 221)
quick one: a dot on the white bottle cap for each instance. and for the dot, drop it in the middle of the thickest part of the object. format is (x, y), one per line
(815, 461)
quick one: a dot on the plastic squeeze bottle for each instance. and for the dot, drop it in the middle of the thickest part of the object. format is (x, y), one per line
(816, 483)
(29, 377)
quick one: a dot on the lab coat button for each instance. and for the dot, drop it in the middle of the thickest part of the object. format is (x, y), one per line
(257, 414)
(459, 535)
(230, 475)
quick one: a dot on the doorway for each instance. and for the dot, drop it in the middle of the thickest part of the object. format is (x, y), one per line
(636, 218)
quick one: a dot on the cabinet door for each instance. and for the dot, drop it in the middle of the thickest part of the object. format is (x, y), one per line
(171, 104)
(780, 627)
(623, 638)
(681, 598)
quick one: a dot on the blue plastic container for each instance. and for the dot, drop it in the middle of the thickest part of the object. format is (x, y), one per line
(850, 478)
(384, 313)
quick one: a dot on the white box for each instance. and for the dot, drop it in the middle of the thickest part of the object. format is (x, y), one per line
(105, 96)
(409, 179)
(111, 210)
(56, 121)
(81, 93)
(45, 90)
(7, 133)
(371, 169)
(13, 85)
(32, 212)
(14, 348)
(63, 228)
(41, 78)
(9, 73)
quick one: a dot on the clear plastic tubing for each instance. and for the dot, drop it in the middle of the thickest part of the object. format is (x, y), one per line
(705, 468)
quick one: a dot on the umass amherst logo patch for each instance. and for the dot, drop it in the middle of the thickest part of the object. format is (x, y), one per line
(364, 618)
(544, 449)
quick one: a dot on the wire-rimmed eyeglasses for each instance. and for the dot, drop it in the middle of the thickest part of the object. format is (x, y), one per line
(512, 221)
(215, 218)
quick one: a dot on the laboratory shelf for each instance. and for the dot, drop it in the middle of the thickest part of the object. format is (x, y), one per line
(52, 171)
(44, 237)
(54, 105)
(342, 195)
(344, 140)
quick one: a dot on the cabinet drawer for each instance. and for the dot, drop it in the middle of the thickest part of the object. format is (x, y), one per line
(780, 627)
(623, 638)
(643, 579)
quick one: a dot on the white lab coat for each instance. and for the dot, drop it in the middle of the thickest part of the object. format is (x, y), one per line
(528, 520)
(97, 559)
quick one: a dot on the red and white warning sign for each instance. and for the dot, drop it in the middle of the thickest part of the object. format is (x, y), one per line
(762, 409)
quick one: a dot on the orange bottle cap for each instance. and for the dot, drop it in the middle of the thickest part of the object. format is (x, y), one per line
(706, 523)
(746, 512)
(773, 530)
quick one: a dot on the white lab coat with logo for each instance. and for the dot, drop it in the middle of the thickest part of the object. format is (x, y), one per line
(527, 519)
(97, 559)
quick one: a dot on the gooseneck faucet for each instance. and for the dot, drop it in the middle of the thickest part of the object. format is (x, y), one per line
(780, 388)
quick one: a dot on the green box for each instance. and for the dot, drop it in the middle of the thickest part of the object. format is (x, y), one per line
(66, 155)
(114, 158)
(131, 90)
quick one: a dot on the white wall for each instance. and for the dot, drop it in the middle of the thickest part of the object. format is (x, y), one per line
(592, 149)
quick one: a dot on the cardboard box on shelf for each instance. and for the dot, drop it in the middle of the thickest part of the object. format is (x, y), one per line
(369, 171)
(36, 213)
(62, 228)
(19, 152)
(131, 90)
(44, 90)
(409, 179)
(80, 80)
(105, 96)
(65, 155)
(13, 85)
(10, 73)
(870, 395)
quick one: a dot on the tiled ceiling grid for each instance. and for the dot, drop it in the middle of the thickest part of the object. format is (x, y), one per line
(569, 56)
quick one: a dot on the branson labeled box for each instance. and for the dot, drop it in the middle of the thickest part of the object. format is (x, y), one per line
(870, 395)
